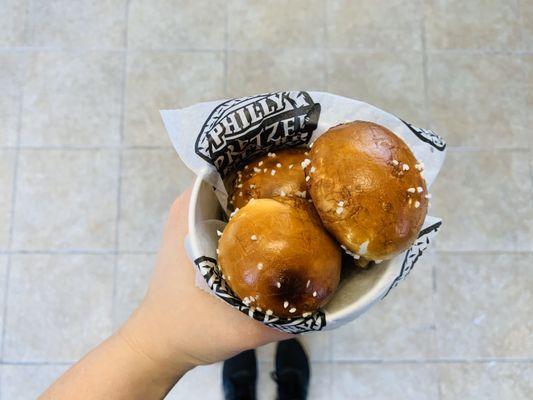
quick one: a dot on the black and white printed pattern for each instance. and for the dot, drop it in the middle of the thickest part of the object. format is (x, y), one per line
(428, 136)
(209, 269)
(239, 129)
(414, 253)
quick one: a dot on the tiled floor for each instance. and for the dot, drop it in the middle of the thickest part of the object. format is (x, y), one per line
(87, 174)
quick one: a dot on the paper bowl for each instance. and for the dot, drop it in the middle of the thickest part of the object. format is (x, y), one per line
(358, 290)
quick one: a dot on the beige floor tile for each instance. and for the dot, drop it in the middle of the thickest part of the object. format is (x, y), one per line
(392, 81)
(7, 165)
(376, 25)
(133, 274)
(266, 387)
(484, 305)
(488, 381)
(13, 22)
(151, 180)
(12, 67)
(526, 9)
(27, 382)
(484, 200)
(66, 199)
(477, 100)
(200, 383)
(182, 24)
(165, 80)
(58, 307)
(402, 326)
(256, 72)
(276, 24)
(383, 381)
(77, 24)
(72, 99)
(456, 24)
(316, 344)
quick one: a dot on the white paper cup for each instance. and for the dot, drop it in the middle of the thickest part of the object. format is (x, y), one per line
(358, 290)
(207, 140)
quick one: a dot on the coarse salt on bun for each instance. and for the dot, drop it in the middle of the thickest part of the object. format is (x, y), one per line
(367, 187)
(274, 174)
(278, 258)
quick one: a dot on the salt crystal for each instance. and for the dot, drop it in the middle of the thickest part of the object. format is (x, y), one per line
(285, 304)
(305, 163)
(292, 310)
(259, 266)
(363, 247)
(273, 172)
(253, 237)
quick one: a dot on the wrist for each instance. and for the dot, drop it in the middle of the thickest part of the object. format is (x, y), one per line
(146, 336)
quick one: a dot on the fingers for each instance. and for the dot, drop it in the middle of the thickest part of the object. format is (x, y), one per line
(179, 210)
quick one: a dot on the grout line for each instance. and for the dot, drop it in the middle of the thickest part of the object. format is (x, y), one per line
(354, 50)
(100, 147)
(425, 73)
(12, 207)
(453, 149)
(84, 252)
(226, 53)
(432, 361)
(484, 252)
(474, 149)
(38, 363)
(148, 252)
(325, 48)
(521, 23)
(119, 169)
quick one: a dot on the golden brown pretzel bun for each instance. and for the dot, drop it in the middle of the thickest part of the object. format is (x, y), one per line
(367, 188)
(258, 181)
(278, 260)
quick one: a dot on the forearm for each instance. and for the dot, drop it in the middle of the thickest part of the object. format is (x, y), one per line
(116, 370)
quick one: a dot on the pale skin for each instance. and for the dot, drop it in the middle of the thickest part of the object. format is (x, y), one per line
(176, 328)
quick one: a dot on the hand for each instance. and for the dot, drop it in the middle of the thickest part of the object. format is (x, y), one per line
(178, 322)
(176, 327)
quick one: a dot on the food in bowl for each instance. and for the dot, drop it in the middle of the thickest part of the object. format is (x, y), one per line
(358, 188)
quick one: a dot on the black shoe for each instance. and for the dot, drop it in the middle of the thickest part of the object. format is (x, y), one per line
(292, 371)
(239, 376)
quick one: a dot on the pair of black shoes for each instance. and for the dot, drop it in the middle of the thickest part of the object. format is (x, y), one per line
(239, 375)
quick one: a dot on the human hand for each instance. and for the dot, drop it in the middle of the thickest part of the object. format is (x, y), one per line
(180, 326)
